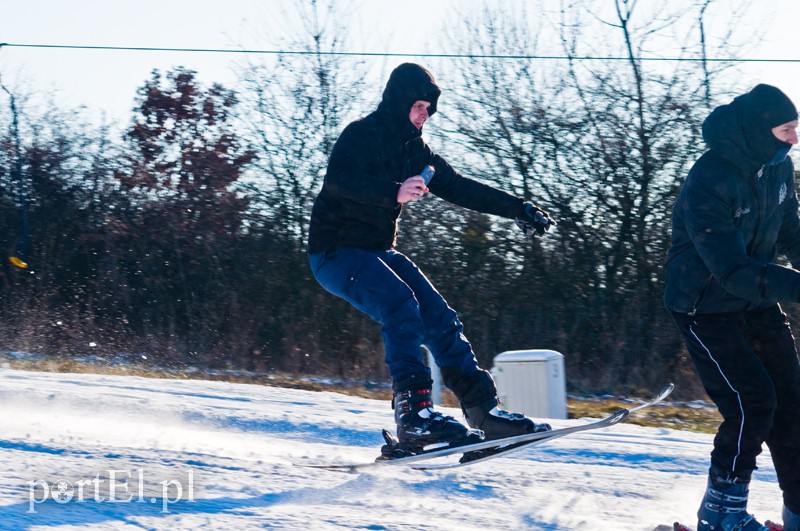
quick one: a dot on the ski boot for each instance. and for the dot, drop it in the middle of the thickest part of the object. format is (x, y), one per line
(498, 423)
(418, 425)
(478, 397)
(724, 506)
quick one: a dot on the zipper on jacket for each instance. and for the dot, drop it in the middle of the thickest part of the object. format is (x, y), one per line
(406, 162)
(761, 213)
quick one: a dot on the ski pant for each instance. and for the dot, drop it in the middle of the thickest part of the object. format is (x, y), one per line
(749, 367)
(391, 289)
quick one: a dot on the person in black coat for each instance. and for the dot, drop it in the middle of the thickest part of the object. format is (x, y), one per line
(373, 171)
(736, 213)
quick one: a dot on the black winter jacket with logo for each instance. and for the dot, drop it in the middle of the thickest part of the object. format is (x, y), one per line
(736, 212)
(357, 206)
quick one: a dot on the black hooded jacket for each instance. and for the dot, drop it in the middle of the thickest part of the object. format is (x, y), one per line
(736, 212)
(357, 206)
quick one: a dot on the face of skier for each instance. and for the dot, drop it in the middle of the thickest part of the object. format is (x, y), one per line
(786, 132)
(419, 113)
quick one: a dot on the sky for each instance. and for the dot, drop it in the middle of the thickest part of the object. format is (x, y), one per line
(106, 81)
(233, 450)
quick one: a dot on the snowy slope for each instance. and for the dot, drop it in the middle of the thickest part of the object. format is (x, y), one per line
(231, 449)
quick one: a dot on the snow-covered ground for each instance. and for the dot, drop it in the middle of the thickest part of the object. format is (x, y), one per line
(117, 450)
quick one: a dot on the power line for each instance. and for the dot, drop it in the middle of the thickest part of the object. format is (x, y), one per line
(391, 54)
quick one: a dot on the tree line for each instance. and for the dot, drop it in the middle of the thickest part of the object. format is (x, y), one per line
(182, 237)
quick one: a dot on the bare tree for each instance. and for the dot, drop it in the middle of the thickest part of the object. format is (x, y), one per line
(604, 145)
(18, 257)
(295, 107)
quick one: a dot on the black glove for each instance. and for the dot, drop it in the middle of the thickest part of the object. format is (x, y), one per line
(533, 220)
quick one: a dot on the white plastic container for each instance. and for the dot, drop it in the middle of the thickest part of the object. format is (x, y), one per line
(532, 382)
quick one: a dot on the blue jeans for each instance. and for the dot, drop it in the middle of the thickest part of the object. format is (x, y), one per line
(391, 289)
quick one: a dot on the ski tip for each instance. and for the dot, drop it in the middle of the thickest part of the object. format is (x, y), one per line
(667, 390)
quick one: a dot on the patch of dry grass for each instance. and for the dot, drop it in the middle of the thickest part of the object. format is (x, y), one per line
(691, 417)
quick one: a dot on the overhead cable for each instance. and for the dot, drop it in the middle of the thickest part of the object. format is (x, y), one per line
(401, 54)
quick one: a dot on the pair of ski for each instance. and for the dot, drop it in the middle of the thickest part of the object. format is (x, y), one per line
(771, 526)
(477, 452)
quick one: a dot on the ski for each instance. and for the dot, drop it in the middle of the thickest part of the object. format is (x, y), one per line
(610, 420)
(476, 456)
(677, 526)
(474, 452)
(471, 457)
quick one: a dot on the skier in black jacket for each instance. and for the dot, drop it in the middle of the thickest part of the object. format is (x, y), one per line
(736, 212)
(374, 169)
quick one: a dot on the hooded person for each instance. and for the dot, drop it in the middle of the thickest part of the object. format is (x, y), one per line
(736, 213)
(373, 173)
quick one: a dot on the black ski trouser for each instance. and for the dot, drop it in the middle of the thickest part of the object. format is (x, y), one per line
(749, 367)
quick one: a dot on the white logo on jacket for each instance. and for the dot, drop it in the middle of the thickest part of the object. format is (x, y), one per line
(740, 211)
(782, 193)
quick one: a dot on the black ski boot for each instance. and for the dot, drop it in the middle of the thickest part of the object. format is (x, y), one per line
(498, 423)
(418, 424)
(791, 520)
(478, 397)
(724, 506)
